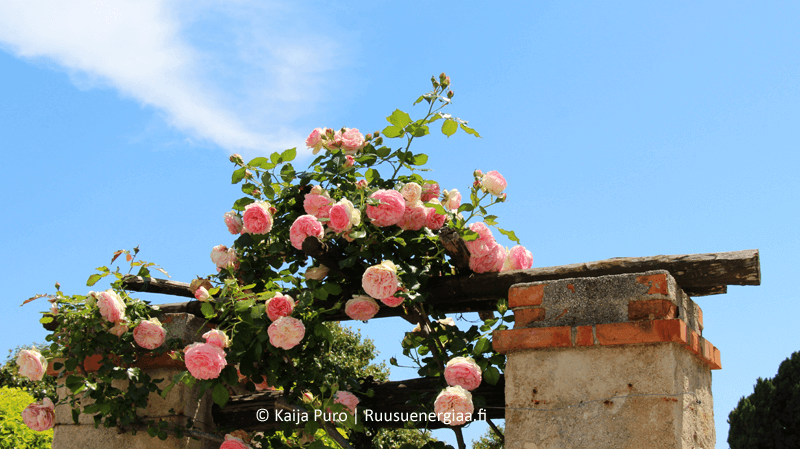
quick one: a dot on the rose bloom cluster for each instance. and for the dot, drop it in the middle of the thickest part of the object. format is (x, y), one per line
(349, 140)
(488, 256)
(38, 416)
(207, 360)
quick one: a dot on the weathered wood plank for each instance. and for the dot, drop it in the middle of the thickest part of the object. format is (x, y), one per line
(390, 397)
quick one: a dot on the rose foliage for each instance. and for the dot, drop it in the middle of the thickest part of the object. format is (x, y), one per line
(355, 234)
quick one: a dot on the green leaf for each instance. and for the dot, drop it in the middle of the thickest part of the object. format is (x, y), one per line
(256, 162)
(399, 118)
(510, 234)
(332, 288)
(469, 130)
(238, 175)
(287, 172)
(483, 345)
(469, 235)
(491, 375)
(438, 207)
(93, 279)
(490, 220)
(269, 191)
(449, 127)
(392, 131)
(466, 207)
(383, 151)
(275, 158)
(208, 310)
(46, 319)
(421, 97)
(417, 130)
(289, 154)
(248, 188)
(371, 175)
(75, 383)
(220, 394)
(420, 159)
(242, 202)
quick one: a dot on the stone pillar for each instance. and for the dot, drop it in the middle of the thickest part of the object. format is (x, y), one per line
(184, 400)
(607, 362)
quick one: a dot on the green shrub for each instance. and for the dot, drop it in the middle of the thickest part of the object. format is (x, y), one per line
(770, 417)
(14, 434)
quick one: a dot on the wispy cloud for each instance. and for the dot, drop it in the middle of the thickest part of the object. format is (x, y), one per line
(225, 72)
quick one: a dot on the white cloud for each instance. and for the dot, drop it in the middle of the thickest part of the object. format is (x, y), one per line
(220, 71)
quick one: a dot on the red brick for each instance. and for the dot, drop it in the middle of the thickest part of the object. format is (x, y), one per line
(636, 332)
(525, 296)
(584, 337)
(523, 317)
(531, 338)
(652, 309)
(657, 282)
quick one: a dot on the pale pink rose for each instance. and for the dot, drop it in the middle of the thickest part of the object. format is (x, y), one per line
(119, 328)
(343, 216)
(53, 309)
(32, 364)
(389, 211)
(452, 200)
(518, 258)
(111, 306)
(204, 360)
(393, 301)
(279, 306)
(361, 308)
(411, 192)
(305, 226)
(314, 140)
(380, 281)
(349, 161)
(231, 442)
(349, 400)
(318, 203)
(286, 332)
(201, 294)
(224, 257)
(492, 262)
(414, 217)
(40, 416)
(454, 406)
(352, 141)
(485, 242)
(316, 273)
(434, 220)
(217, 338)
(464, 372)
(149, 334)
(234, 222)
(430, 190)
(493, 182)
(257, 218)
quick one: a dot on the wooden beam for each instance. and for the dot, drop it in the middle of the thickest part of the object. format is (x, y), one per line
(389, 397)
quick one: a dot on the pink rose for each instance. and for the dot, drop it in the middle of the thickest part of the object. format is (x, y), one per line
(223, 257)
(361, 308)
(430, 190)
(361, 184)
(231, 442)
(344, 216)
(257, 218)
(316, 273)
(217, 338)
(463, 372)
(119, 328)
(32, 364)
(204, 360)
(414, 217)
(452, 199)
(234, 222)
(389, 211)
(380, 281)
(518, 258)
(286, 332)
(349, 161)
(352, 141)
(411, 192)
(434, 220)
(492, 262)
(318, 203)
(493, 182)
(484, 243)
(393, 301)
(305, 226)
(314, 140)
(111, 306)
(349, 400)
(453, 406)
(201, 294)
(279, 306)
(40, 416)
(149, 334)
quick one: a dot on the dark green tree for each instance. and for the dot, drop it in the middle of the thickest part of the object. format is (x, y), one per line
(488, 440)
(770, 417)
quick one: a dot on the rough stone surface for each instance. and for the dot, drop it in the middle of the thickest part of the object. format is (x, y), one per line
(608, 397)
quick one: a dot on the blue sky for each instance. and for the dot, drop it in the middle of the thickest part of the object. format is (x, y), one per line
(623, 129)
